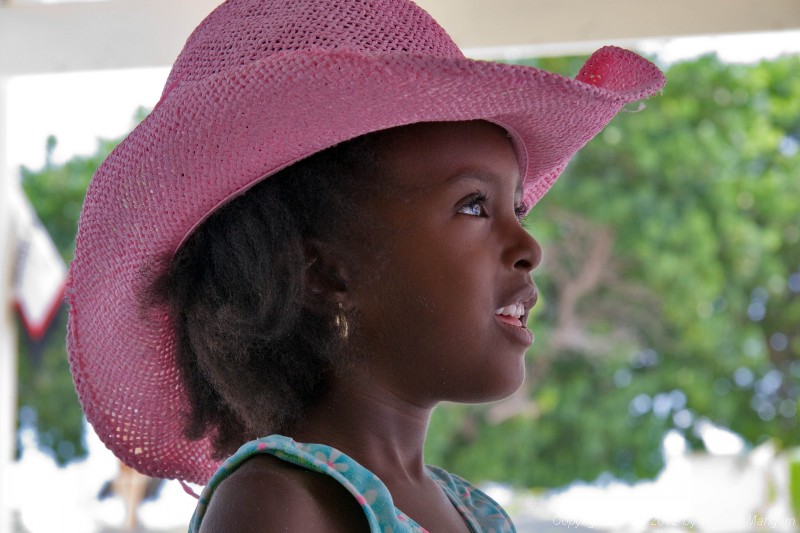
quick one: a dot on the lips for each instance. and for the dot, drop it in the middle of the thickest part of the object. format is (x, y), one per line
(509, 320)
(514, 315)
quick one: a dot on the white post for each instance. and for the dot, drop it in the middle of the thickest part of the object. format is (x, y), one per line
(8, 341)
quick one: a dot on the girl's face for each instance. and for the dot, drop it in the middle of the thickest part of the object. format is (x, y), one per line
(439, 317)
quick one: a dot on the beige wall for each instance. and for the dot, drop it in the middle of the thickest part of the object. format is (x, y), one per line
(480, 23)
(135, 33)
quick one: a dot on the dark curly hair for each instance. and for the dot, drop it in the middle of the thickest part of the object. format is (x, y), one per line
(251, 355)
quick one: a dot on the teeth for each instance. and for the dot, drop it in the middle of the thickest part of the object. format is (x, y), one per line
(515, 310)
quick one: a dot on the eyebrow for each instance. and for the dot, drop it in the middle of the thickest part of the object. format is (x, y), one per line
(482, 176)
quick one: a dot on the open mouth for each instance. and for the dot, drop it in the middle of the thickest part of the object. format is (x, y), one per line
(512, 314)
(516, 318)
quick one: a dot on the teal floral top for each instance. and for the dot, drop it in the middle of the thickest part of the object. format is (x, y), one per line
(481, 513)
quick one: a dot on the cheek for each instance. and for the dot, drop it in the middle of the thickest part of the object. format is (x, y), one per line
(452, 300)
(436, 300)
(432, 319)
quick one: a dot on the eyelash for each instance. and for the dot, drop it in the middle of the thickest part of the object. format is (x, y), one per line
(480, 199)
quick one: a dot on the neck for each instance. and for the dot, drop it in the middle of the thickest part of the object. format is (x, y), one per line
(371, 424)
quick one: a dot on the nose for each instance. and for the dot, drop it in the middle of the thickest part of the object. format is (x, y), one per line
(523, 251)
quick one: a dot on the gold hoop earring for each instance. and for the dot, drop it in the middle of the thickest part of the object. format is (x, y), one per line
(340, 321)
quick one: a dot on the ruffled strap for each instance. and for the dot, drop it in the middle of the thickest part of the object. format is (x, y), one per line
(366, 488)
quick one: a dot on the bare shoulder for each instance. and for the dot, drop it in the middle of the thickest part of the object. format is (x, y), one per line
(267, 495)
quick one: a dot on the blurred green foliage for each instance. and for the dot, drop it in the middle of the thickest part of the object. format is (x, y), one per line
(794, 485)
(670, 289)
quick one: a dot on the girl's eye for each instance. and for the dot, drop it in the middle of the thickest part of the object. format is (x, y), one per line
(475, 206)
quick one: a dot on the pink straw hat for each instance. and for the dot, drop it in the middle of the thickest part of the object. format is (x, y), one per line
(260, 85)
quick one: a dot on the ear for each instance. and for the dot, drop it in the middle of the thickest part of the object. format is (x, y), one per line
(326, 277)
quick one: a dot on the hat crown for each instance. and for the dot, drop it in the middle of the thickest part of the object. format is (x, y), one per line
(244, 31)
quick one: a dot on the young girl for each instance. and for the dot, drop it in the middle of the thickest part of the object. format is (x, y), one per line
(312, 240)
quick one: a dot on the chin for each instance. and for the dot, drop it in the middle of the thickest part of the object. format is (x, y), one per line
(509, 391)
(494, 387)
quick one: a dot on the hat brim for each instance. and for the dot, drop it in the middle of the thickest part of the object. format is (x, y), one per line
(208, 141)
